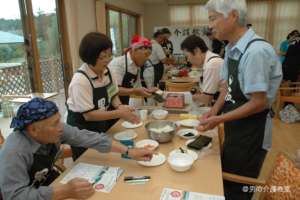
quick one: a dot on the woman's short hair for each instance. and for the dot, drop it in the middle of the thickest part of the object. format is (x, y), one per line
(226, 6)
(91, 45)
(192, 42)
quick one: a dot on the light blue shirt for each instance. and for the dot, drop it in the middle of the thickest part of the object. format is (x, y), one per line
(259, 71)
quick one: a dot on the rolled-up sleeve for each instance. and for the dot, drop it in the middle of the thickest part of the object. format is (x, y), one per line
(88, 139)
(15, 180)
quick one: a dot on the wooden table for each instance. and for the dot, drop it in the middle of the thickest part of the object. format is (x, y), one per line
(205, 175)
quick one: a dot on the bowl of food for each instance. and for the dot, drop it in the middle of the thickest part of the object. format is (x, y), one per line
(161, 131)
(180, 162)
(159, 114)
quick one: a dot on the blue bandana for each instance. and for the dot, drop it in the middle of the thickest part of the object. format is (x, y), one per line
(34, 110)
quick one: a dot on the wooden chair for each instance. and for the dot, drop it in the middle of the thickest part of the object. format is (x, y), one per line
(288, 92)
(284, 176)
(179, 86)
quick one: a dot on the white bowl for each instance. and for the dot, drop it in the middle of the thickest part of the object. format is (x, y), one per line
(180, 162)
(159, 114)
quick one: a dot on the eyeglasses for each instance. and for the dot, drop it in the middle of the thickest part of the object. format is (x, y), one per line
(105, 56)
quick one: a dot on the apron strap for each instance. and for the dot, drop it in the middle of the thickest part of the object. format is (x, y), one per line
(212, 58)
(82, 72)
(248, 45)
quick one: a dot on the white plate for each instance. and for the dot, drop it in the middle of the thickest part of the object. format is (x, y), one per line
(127, 124)
(189, 122)
(190, 152)
(147, 143)
(157, 159)
(184, 131)
(125, 135)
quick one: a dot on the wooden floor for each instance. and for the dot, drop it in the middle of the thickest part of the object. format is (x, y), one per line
(286, 138)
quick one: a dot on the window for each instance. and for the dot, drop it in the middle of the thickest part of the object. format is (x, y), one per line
(188, 15)
(121, 27)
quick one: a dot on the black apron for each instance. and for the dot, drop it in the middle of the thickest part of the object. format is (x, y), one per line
(158, 72)
(128, 82)
(242, 153)
(42, 172)
(102, 98)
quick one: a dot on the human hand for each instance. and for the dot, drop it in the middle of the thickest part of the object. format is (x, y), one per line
(144, 92)
(131, 108)
(143, 154)
(80, 188)
(209, 123)
(128, 115)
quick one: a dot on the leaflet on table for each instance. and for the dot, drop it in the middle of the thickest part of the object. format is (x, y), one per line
(174, 194)
(104, 183)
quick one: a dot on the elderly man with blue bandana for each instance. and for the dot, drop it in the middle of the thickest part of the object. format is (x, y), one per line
(30, 151)
(251, 75)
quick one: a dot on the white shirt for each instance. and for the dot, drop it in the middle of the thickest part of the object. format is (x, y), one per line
(157, 54)
(117, 68)
(211, 73)
(80, 91)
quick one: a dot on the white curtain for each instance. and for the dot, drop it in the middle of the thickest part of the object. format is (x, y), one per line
(188, 15)
(271, 19)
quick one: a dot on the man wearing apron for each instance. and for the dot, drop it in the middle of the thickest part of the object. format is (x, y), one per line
(93, 92)
(29, 154)
(158, 56)
(251, 76)
(198, 54)
(126, 69)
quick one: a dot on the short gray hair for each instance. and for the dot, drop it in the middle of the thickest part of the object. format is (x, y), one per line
(226, 6)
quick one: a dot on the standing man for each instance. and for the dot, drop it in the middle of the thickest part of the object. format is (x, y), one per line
(126, 69)
(253, 74)
(167, 45)
(158, 57)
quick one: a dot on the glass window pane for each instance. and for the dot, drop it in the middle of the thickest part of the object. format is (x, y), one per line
(115, 32)
(14, 76)
(125, 30)
(46, 24)
(132, 26)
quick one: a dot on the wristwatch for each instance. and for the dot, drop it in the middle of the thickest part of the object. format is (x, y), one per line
(127, 151)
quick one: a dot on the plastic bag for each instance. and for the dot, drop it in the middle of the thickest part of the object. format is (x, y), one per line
(289, 114)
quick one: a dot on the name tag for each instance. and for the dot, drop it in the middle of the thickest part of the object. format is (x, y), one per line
(112, 90)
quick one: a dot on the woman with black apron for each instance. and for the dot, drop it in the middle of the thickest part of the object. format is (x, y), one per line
(92, 90)
(126, 69)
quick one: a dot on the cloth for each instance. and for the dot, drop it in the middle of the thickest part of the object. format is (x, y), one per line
(139, 41)
(292, 62)
(34, 110)
(17, 157)
(260, 71)
(80, 91)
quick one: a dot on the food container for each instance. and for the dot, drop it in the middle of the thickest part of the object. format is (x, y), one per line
(161, 131)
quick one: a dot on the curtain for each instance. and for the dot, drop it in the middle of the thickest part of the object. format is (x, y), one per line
(271, 19)
(188, 15)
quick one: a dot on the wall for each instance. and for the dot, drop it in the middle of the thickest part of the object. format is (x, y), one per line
(81, 19)
(78, 13)
(155, 15)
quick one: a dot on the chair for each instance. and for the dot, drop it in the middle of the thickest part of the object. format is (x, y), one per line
(282, 183)
(179, 86)
(288, 92)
